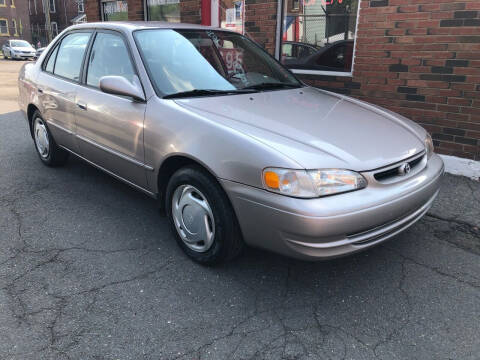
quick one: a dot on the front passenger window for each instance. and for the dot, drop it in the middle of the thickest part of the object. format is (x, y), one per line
(70, 55)
(109, 56)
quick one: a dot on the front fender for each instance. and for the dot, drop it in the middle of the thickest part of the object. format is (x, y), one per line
(227, 153)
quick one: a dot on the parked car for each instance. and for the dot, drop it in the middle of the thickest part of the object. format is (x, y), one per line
(292, 51)
(39, 52)
(18, 49)
(336, 56)
(234, 147)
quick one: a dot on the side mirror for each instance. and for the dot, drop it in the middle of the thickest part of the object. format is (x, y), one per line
(118, 85)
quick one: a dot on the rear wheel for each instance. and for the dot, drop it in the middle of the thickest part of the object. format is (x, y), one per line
(202, 217)
(48, 151)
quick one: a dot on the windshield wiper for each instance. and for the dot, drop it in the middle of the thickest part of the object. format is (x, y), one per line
(205, 92)
(271, 85)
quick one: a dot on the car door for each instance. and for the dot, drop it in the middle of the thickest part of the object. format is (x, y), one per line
(57, 84)
(109, 127)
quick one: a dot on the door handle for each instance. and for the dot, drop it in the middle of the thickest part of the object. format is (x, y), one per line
(82, 106)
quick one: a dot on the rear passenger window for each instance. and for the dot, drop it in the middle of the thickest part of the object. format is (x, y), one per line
(51, 60)
(70, 55)
(109, 56)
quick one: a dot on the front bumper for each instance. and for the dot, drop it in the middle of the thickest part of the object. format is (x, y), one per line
(335, 225)
(22, 56)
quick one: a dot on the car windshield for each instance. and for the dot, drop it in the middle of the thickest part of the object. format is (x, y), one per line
(19, 43)
(208, 62)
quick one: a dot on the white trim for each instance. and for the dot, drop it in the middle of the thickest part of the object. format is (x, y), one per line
(460, 166)
(54, 28)
(321, 72)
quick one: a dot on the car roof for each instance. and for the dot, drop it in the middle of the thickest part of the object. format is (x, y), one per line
(129, 26)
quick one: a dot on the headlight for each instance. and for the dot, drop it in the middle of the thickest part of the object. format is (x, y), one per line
(429, 146)
(312, 183)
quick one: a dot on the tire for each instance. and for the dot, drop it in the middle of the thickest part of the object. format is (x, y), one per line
(191, 193)
(47, 149)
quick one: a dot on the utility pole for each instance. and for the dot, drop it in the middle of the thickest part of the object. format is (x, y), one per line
(48, 26)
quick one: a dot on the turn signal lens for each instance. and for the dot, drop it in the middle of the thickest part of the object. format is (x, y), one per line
(271, 180)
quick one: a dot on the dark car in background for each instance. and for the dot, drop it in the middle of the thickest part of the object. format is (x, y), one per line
(292, 51)
(336, 56)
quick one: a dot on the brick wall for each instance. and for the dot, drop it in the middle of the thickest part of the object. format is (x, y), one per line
(420, 58)
(92, 10)
(190, 11)
(135, 10)
(261, 22)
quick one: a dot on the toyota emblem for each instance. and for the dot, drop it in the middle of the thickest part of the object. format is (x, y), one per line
(404, 169)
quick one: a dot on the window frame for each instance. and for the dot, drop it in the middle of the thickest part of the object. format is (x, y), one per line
(279, 43)
(59, 43)
(52, 23)
(14, 24)
(84, 65)
(81, 4)
(6, 26)
(3, 3)
(50, 2)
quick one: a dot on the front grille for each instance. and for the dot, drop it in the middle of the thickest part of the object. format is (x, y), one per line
(394, 171)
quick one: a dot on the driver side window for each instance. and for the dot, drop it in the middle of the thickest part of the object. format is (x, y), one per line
(109, 56)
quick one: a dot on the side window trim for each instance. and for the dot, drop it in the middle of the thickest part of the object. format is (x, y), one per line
(47, 58)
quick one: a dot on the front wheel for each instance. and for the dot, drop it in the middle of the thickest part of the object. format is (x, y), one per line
(47, 149)
(202, 217)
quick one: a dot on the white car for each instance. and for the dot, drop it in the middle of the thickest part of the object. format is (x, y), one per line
(18, 49)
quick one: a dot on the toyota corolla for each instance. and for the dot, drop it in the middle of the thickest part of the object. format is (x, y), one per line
(235, 148)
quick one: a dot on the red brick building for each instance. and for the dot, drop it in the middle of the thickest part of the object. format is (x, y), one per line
(61, 14)
(14, 21)
(419, 58)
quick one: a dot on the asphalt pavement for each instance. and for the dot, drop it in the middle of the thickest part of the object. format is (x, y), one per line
(90, 270)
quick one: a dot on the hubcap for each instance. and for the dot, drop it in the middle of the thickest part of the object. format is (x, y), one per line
(41, 138)
(193, 218)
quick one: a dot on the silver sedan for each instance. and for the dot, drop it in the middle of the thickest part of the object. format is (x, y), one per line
(234, 147)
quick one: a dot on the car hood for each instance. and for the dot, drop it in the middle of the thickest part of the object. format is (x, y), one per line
(315, 128)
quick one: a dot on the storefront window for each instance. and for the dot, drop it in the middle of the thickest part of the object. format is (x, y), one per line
(232, 14)
(115, 10)
(163, 10)
(319, 35)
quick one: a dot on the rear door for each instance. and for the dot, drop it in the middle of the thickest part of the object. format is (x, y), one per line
(57, 84)
(110, 127)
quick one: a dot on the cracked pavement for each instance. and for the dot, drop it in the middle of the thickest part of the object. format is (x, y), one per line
(90, 270)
